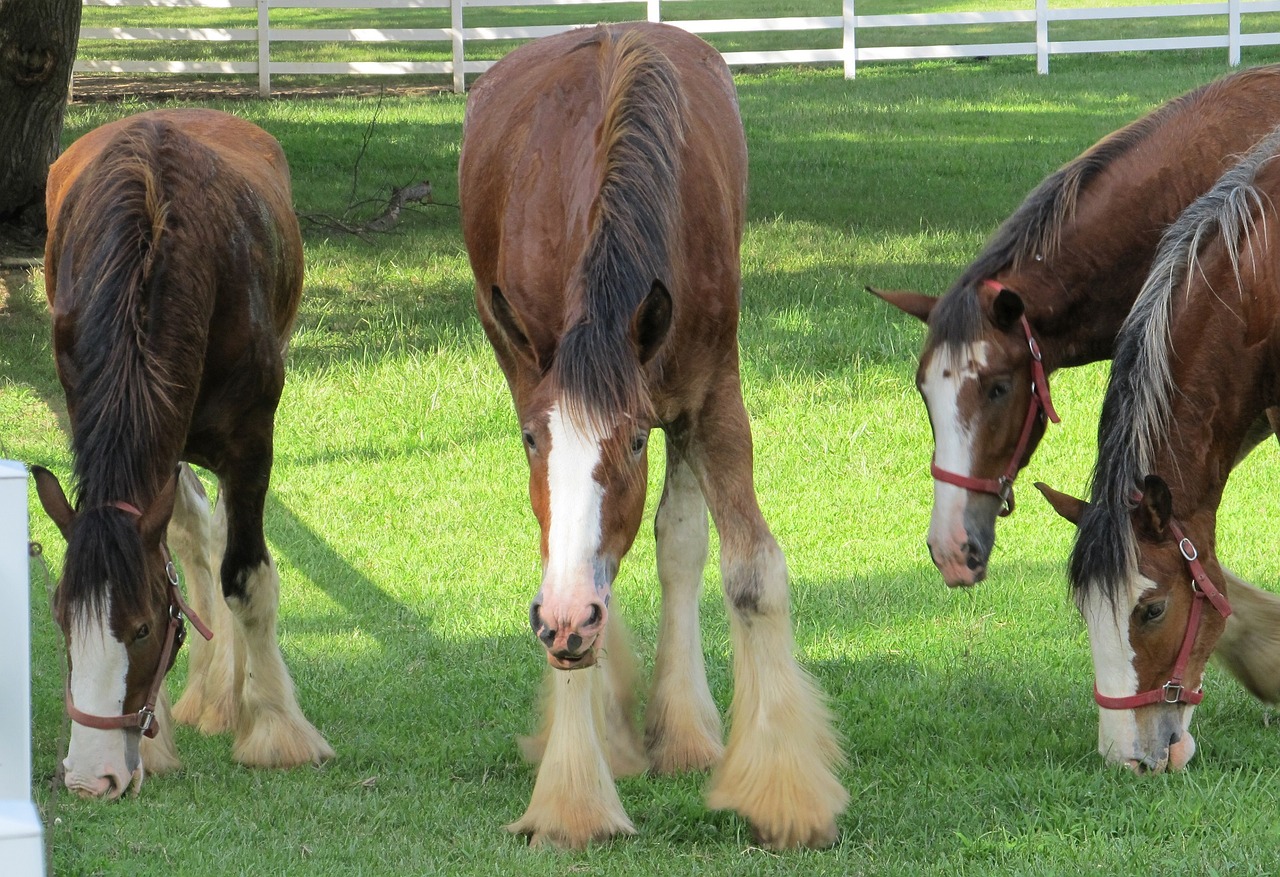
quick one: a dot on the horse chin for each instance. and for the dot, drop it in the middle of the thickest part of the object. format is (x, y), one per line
(580, 662)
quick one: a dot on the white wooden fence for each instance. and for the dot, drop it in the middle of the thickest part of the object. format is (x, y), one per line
(846, 25)
(21, 849)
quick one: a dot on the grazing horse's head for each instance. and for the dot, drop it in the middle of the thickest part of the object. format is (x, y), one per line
(113, 606)
(585, 418)
(1151, 628)
(987, 399)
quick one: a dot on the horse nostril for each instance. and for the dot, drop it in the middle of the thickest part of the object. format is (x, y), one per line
(540, 630)
(596, 616)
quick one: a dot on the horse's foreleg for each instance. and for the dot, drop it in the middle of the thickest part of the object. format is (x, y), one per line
(270, 730)
(1249, 647)
(779, 767)
(199, 542)
(682, 724)
(617, 661)
(574, 797)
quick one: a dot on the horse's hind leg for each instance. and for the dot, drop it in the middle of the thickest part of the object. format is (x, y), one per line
(270, 729)
(778, 770)
(682, 724)
(198, 542)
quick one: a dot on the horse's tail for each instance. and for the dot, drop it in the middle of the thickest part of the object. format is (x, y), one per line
(1249, 648)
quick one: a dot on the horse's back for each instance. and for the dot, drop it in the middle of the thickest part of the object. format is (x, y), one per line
(532, 163)
(213, 169)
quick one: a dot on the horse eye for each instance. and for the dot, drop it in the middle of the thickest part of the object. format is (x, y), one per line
(998, 390)
(142, 633)
(1152, 611)
(530, 442)
(638, 442)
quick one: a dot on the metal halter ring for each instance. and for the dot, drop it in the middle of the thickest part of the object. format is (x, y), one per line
(1188, 550)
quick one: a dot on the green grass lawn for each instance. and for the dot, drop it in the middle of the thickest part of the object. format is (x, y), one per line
(399, 519)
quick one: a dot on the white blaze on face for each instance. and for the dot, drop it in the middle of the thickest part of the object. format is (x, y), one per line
(576, 500)
(99, 665)
(1114, 675)
(949, 369)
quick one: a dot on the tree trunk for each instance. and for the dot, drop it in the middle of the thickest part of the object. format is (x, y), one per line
(37, 48)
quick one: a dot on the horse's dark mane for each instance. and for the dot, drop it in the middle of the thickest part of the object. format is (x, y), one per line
(1035, 228)
(123, 391)
(105, 549)
(1136, 410)
(641, 136)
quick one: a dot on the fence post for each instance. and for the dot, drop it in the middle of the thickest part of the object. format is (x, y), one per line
(459, 49)
(21, 848)
(264, 48)
(1042, 36)
(850, 44)
(1233, 32)
(655, 10)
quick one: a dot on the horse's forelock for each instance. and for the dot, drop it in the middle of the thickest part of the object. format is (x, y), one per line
(105, 552)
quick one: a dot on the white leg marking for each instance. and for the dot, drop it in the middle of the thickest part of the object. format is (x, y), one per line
(682, 723)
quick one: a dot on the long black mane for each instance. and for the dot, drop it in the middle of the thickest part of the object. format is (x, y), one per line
(1135, 419)
(122, 377)
(122, 374)
(641, 137)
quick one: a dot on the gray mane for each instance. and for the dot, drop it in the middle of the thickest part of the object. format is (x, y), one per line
(1136, 410)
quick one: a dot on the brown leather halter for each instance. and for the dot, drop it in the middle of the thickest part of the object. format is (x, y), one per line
(175, 635)
(1039, 408)
(1173, 691)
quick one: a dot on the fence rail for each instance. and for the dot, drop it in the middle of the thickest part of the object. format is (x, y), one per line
(846, 27)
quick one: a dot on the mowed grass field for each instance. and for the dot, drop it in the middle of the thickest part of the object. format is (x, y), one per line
(399, 519)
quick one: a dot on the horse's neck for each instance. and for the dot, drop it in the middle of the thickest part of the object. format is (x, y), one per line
(1222, 387)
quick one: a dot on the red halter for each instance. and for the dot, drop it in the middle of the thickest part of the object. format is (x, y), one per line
(144, 719)
(1038, 409)
(1173, 691)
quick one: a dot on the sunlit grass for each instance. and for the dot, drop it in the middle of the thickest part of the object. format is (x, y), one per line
(399, 518)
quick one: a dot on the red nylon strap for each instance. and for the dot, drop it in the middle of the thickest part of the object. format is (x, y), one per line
(1202, 589)
(1040, 406)
(143, 719)
(1200, 581)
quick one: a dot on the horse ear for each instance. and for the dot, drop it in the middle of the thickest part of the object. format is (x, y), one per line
(1063, 503)
(1006, 309)
(1155, 508)
(511, 326)
(913, 304)
(155, 518)
(54, 500)
(651, 322)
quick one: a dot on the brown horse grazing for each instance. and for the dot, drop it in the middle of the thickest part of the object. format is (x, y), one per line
(603, 179)
(1195, 366)
(173, 270)
(1060, 275)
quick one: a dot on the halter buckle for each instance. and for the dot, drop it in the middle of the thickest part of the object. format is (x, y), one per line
(171, 571)
(146, 718)
(1172, 692)
(1034, 348)
(1188, 550)
(1006, 495)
